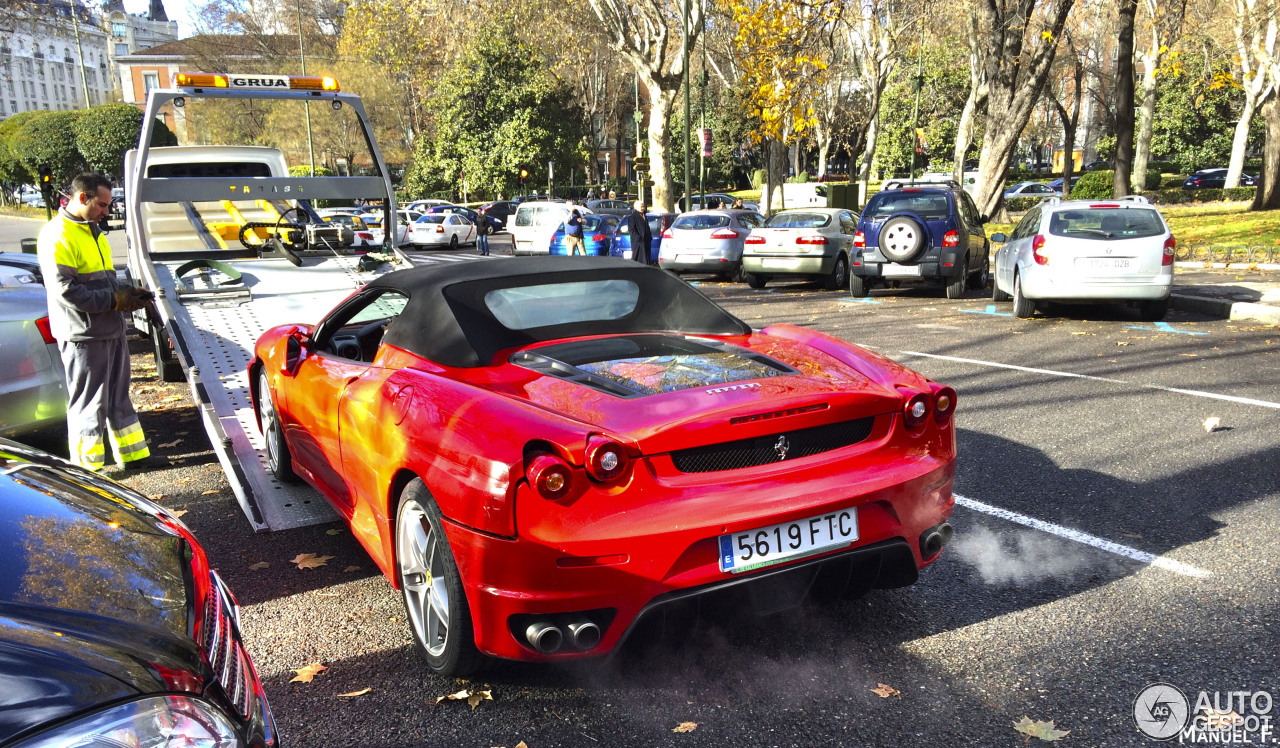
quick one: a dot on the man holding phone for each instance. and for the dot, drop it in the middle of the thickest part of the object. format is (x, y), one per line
(86, 315)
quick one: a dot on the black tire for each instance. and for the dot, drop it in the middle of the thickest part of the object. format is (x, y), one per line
(955, 286)
(279, 460)
(979, 278)
(433, 596)
(1022, 306)
(756, 280)
(838, 278)
(453, 242)
(1153, 311)
(167, 366)
(857, 286)
(997, 294)
(902, 239)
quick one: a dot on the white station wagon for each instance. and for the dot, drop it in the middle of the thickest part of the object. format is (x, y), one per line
(1083, 251)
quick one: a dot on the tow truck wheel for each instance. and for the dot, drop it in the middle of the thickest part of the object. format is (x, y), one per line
(167, 366)
(279, 461)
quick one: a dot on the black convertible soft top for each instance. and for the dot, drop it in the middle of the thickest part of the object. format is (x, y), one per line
(447, 319)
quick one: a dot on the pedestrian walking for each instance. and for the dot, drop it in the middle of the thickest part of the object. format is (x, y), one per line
(86, 306)
(573, 233)
(641, 236)
(482, 232)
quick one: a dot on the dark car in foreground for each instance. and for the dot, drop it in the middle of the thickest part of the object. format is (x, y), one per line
(114, 631)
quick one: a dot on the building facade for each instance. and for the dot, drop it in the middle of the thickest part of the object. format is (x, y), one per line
(129, 34)
(42, 66)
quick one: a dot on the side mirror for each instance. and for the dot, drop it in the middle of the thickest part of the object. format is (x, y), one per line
(998, 237)
(295, 349)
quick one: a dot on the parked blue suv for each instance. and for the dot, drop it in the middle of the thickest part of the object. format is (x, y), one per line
(921, 232)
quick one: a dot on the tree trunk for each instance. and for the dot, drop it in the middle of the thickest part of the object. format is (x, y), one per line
(824, 147)
(1241, 140)
(1124, 100)
(795, 157)
(868, 155)
(661, 102)
(964, 134)
(1268, 194)
(1146, 117)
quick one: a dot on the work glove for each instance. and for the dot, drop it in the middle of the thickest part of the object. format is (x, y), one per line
(130, 299)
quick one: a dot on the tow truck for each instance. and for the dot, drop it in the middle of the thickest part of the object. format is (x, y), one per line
(229, 244)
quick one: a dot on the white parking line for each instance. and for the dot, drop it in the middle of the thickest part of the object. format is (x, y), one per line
(1051, 372)
(1177, 567)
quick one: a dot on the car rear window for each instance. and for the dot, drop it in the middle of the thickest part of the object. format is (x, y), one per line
(655, 226)
(589, 223)
(1106, 223)
(528, 307)
(694, 223)
(798, 221)
(929, 206)
(433, 218)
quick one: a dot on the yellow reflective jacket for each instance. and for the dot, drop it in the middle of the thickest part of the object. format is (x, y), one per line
(80, 277)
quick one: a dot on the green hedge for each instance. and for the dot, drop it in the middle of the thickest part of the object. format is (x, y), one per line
(1178, 195)
(1094, 185)
(1021, 204)
(758, 178)
(1169, 167)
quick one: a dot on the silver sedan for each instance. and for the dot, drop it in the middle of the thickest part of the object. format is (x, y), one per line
(802, 244)
(33, 391)
(708, 241)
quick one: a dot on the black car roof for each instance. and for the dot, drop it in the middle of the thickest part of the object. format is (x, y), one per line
(447, 321)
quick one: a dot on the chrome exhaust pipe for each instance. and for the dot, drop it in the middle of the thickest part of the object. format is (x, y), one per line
(584, 634)
(545, 637)
(933, 539)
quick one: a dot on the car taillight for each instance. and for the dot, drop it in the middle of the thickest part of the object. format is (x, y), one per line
(811, 240)
(944, 404)
(915, 411)
(1170, 249)
(597, 237)
(1037, 249)
(724, 234)
(439, 229)
(550, 476)
(365, 235)
(951, 239)
(606, 459)
(42, 325)
(667, 234)
(1105, 205)
(859, 240)
(754, 240)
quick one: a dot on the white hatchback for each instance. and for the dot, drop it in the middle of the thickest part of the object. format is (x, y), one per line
(1082, 250)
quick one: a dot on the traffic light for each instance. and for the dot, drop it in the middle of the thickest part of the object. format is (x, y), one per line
(524, 173)
(46, 175)
(641, 163)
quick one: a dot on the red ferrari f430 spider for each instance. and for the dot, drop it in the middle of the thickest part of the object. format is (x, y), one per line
(542, 452)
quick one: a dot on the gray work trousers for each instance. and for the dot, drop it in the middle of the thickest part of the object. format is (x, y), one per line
(97, 374)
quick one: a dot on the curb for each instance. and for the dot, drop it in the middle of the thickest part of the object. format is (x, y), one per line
(1206, 265)
(1226, 309)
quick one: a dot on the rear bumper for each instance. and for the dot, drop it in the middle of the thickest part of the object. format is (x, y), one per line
(707, 265)
(1041, 285)
(658, 541)
(788, 264)
(35, 401)
(932, 266)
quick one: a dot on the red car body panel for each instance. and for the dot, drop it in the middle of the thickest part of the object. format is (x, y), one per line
(359, 432)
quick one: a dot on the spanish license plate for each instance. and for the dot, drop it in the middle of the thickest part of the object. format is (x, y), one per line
(753, 549)
(688, 259)
(892, 270)
(781, 264)
(1104, 263)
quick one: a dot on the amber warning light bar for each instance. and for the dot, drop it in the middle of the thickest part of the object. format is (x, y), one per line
(255, 82)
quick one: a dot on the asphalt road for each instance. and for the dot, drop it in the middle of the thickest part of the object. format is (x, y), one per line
(1105, 541)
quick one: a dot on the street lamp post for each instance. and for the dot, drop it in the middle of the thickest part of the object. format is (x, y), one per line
(302, 52)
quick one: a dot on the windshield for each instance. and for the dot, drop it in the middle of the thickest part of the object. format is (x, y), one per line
(798, 221)
(562, 303)
(931, 206)
(1106, 223)
(701, 222)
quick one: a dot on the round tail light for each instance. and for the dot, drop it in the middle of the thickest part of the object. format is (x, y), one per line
(916, 411)
(607, 460)
(944, 404)
(550, 476)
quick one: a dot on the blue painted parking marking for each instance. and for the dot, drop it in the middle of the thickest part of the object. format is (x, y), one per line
(765, 290)
(1164, 327)
(991, 309)
(863, 300)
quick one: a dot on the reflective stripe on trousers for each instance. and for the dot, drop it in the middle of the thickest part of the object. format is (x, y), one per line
(98, 395)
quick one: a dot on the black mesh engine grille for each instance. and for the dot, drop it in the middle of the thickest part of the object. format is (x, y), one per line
(763, 450)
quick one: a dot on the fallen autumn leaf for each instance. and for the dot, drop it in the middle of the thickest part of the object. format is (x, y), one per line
(309, 560)
(307, 672)
(361, 692)
(1212, 424)
(685, 727)
(1039, 729)
(173, 443)
(884, 691)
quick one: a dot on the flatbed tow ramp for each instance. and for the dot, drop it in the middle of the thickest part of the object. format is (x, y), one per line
(215, 294)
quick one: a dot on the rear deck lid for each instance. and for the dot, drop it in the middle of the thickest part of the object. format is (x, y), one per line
(1107, 241)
